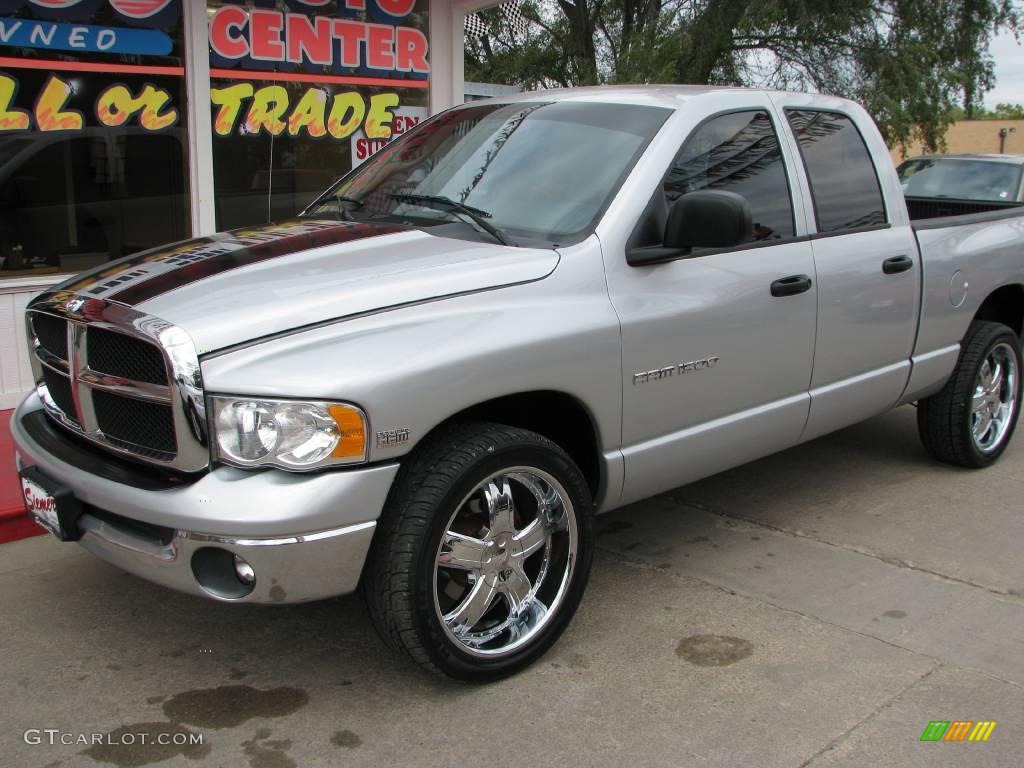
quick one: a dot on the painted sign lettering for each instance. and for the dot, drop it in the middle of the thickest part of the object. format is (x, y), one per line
(253, 36)
(162, 14)
(84, 38)
(241, 109)
(140, 9)
(149, 107)
(250, 111)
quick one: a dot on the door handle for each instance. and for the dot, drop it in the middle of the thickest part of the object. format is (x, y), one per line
(897, 264)
(791, 286)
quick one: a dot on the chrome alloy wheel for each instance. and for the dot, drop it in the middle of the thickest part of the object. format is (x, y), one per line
(994, 404)
(505, 561)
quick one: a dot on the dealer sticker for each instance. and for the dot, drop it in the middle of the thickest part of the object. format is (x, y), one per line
(40, 505)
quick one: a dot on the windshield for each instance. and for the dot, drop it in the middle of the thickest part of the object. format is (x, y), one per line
(540, 171)
(960, 179)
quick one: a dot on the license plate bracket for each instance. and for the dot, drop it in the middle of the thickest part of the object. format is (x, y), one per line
(51, 504)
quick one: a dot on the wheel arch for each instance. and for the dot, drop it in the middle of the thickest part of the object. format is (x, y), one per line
(562, 418)
(1004, 305)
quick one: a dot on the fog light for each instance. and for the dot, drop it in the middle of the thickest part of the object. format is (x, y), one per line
(244, 571)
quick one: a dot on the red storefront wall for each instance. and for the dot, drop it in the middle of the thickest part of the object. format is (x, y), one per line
(14, 524)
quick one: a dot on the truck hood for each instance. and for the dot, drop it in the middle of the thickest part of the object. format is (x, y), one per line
(242, 285)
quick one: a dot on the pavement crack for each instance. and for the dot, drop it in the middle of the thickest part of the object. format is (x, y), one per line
(833, 743)
(643, 565)
(896, 562)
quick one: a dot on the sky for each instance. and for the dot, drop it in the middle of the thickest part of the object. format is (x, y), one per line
(1009, 60)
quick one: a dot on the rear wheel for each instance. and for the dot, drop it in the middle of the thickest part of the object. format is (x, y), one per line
(482, 553)
(971, 420)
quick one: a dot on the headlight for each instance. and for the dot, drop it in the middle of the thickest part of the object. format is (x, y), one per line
(254, 432)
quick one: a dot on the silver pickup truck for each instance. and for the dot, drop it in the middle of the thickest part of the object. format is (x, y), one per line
(520, 314)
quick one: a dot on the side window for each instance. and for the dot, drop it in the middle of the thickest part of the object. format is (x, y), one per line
(739, 153)
(843, 181)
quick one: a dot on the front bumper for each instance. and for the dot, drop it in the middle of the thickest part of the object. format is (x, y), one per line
(305, 536)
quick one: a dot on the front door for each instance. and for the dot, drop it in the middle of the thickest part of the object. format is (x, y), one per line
(716, 363)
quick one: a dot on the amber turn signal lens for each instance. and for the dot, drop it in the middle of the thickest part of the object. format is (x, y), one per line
(352, 431)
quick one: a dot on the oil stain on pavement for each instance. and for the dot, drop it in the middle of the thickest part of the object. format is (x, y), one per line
(714, 650)
(266, 753)
(147, 751)
(228, 706)
(346, 740)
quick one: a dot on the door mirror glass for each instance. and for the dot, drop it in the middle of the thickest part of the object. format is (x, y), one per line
(709, 218)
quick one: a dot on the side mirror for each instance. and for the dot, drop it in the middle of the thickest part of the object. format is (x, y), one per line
(705, 219)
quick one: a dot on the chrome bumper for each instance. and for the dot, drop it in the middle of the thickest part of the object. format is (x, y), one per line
(287, 570)
(305, 536)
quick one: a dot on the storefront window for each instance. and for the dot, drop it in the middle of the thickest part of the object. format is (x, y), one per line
(304, 90)
(93, 160)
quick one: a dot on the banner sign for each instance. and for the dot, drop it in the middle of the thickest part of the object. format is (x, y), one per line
(84, 38)
(338, 50)
(264, 38)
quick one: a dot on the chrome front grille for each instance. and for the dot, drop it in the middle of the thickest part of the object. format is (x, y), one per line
(122, 379)
(119, 355)
(143, 427)
(52, 333)
(59, 387)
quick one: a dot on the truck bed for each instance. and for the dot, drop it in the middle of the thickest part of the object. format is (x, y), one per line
(932, 208)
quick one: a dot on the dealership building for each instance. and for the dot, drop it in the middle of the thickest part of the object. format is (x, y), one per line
(125, 124)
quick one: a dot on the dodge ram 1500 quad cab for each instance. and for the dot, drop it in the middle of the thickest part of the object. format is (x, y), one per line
(519, 314)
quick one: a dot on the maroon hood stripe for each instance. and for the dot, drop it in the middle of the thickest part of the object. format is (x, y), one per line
(151, 273)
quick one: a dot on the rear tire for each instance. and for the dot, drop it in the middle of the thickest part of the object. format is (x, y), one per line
(971, 420)
(482, 552)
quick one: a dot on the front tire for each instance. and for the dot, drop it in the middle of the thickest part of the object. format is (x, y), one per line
(971, 420)
(482, 552)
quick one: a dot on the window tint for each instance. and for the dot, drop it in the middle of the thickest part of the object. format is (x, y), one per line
(843, 181)
(738, 153)
(960, 179)
(541, 170)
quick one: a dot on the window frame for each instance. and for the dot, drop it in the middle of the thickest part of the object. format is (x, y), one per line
(942, 159)
(497, 103)
(787, 174)
(817, 234)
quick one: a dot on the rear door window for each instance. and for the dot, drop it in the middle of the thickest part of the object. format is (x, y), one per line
(844, 184)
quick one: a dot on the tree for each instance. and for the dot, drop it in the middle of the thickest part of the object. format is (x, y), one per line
(1002, 111)
(910, 62)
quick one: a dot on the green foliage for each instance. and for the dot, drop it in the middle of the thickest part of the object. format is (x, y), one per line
(912, 63)
(1001, 112)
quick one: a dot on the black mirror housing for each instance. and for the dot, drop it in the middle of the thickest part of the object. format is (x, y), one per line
(710, 218)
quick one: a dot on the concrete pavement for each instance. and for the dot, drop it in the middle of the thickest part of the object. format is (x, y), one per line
(817, 608)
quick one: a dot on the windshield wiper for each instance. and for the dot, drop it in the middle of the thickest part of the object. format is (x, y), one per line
(355, 201)
(439, 202)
